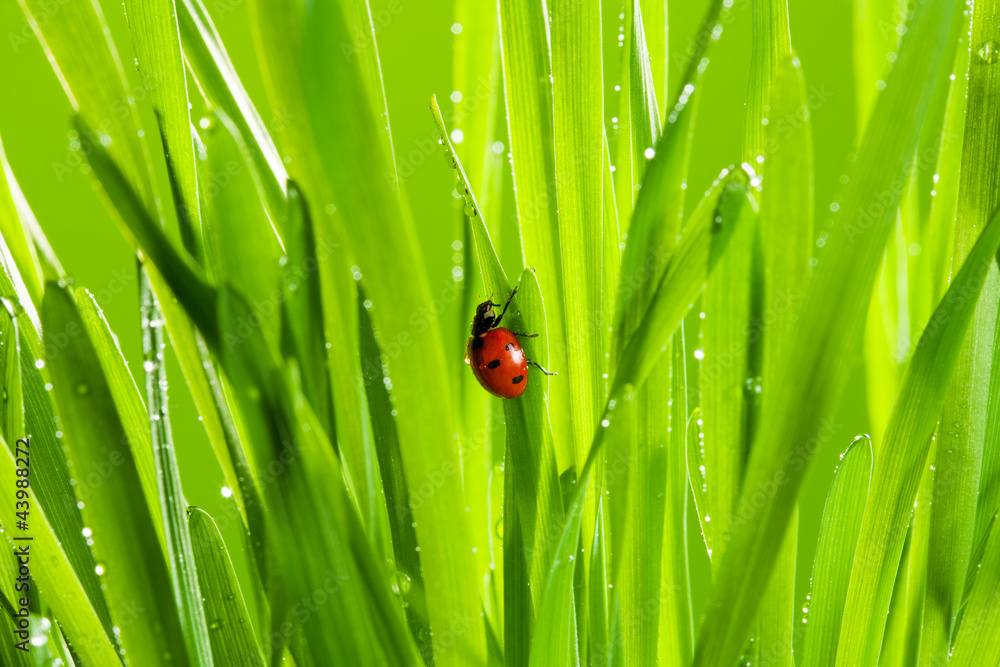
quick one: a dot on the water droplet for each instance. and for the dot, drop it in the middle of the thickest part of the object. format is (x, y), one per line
(989, 52)
(82, 388)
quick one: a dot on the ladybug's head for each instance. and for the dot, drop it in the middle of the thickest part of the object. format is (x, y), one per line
(484, 319)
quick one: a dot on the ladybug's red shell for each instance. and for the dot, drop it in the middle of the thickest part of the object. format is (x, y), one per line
(498, 362)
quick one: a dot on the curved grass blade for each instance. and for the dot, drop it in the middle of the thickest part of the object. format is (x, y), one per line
(184, 279)
(302, 331)
(13, 396)
(961, 439)
(130, 557)
(827, 331)
(173, 506)
(902, 454)
(233, 642)
(206, 56)
(838, 537)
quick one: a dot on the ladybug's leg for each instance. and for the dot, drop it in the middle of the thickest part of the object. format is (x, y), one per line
(496, 322)
(524, 335)
(536, 365)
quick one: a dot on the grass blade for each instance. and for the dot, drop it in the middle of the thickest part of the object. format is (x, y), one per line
(232, 638)
(978, 640)
(529, 446)
(961, 438)
(901, 457)
(838, 538)
(14, 226)
(53, 572)
(128, 402)
(528, 90)
(157, 44)
(173, 506)
(130, 557)
(828, 328)
(206, 56)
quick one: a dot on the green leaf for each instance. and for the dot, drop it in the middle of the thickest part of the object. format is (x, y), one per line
(961, 438)
(529, 448)
(182, 276)
(706, 237)
(316, 533)
(241, 247)
(173, 507)
(838, 537)
(128, 402)
(978, 640)
(381, 235)
(217, 79)
(827, 332)
(52, 570)
(16, 222)
(233, 642)
(129, 554)
(902, 454)
(526, 72)
(578, 139)
(302, 335)
(78, 44)
(157, 44)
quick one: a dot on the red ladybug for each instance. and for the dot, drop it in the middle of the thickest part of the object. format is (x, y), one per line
(495, 354)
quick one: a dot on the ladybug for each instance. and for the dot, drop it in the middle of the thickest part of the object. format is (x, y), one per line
(495, 354)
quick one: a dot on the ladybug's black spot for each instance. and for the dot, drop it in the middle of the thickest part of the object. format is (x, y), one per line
(518, 379)
(494, 364)
(477, 342)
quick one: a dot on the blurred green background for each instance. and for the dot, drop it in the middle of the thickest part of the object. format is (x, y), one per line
(416, 39)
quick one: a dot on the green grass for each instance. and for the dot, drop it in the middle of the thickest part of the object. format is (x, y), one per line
(650, 505)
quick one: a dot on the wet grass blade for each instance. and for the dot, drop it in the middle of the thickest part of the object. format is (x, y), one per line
(978, 640)
(828, 329)
(128, 401)
(233, 642)
(52, 570)
(961, 439)
(16, 231)
(528, 89)
(786, 239)
(173, 507)
(317, 534)
(130, 558)
(210, 64)
(838, 537)
(529, 446)
(578, 139)
(160, 61)
(902, 454)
